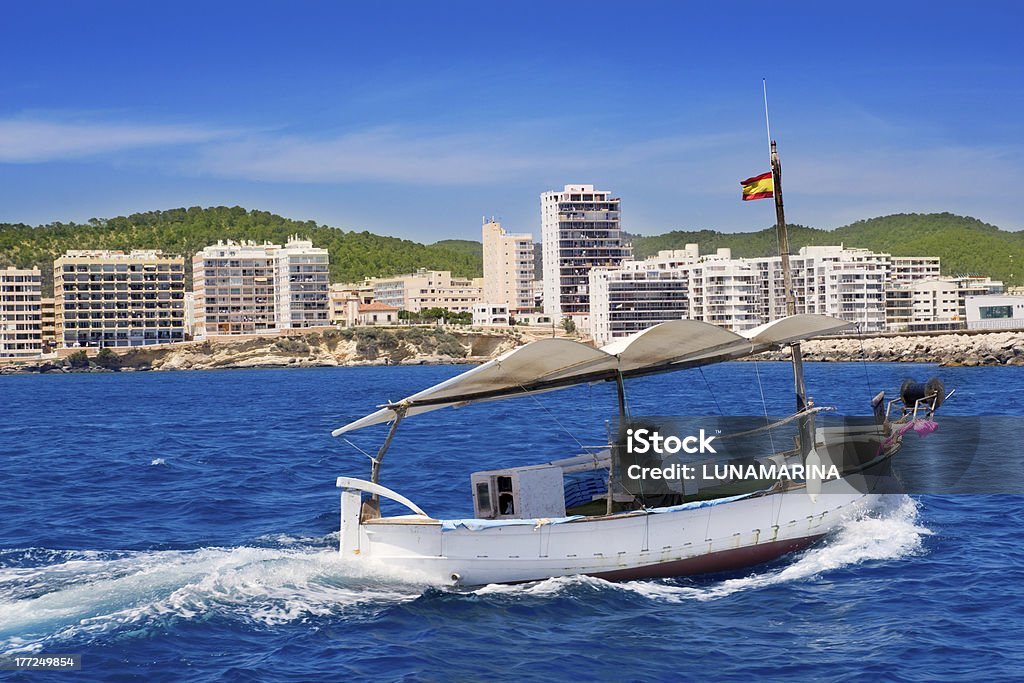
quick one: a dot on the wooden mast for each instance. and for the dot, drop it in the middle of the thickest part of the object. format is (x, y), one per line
(787, 277)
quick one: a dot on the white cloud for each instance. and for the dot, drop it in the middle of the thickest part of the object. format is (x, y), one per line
(403, 156)
(33, 141)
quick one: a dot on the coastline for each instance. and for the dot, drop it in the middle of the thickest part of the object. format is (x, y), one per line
(948, 349)
(354, 347)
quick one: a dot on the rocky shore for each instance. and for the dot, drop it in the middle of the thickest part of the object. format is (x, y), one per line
(418, 346)
(950, 349)
(327, 348)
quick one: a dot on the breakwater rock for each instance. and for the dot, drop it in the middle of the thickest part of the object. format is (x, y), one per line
(948, 349)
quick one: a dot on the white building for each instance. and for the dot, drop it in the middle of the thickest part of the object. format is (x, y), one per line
(995, 312)
(580, 230)
(490, 314)
(508, 267)
(302, 285)
(249, 288)
(742, 293)
(905, 269)
(21, 322)
(934, 304)
(634, 297)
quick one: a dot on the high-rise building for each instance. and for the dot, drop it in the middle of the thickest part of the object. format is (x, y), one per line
(49, 323)
(20, 312)
(302, 285)
(508, 267)
(111, 299)
(249, 288)
(234, 287)
(580, 230)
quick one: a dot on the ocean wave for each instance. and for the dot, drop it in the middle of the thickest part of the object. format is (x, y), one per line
(80, 597)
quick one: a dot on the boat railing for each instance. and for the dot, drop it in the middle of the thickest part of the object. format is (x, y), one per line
(352, 484)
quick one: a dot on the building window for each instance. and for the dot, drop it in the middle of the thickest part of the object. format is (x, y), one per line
(990, 312)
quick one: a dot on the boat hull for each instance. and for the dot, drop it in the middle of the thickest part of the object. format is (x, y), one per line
(720, 537)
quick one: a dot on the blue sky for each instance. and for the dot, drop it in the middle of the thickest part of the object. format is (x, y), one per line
(417, 118)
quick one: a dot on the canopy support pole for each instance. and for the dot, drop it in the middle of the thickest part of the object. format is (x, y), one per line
(372, 507)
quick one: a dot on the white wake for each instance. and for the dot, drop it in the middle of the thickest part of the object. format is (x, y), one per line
(94, 593)
(86, 594)
(890, 533)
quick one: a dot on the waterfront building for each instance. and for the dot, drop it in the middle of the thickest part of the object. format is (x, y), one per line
(843, 282)
(346, 297)
(995, 312)
(636, 296)
(21, 324)
(249, 288)
(428, 289)
(376, 314)
(580, 230)
(49, 323)
(508, 267)
(490, 314)
(302, 285)
(234, 286)
(112, 299)
(534, 318)
(742, 293)
(190, 314)
(935, 304)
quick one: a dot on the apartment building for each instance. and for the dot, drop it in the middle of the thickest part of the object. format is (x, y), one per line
(742, 293)
(428, 289)
(634, 297)
(234, 288)
(906, 269)
(249, 288)
(508, 267)
(112, 299)
(303, 272)
(20, 312)
(580, 230)
(934, 304)
(49, 323)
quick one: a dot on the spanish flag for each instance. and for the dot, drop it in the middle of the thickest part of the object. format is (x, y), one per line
(758, 187)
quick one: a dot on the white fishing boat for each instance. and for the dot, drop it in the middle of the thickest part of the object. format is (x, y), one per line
(539, 521)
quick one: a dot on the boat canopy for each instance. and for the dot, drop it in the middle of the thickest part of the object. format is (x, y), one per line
(548, 364)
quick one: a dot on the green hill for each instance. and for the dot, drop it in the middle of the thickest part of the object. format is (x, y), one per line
(467, 247)
(184, 231)
(965, 245)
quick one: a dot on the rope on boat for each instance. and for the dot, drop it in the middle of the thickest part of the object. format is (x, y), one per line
(764, 406)
(710, 391)
(778, 423)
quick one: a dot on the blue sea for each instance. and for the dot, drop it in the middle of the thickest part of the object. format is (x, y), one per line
(184, 526)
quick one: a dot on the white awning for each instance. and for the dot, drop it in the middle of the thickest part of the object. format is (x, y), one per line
(549, 364)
